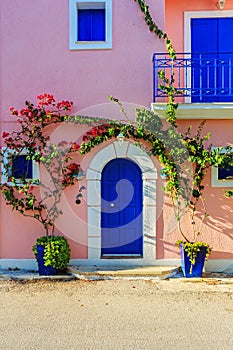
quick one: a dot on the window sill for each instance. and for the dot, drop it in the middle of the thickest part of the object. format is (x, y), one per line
(90, 45)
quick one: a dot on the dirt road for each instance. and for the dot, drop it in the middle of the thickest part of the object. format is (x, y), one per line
(120, 314)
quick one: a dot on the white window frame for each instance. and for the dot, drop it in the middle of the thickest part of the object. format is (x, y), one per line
(73, 17)
(7, 157)
(215, 182)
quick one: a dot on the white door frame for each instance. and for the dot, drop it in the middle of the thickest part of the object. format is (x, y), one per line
(149, 180)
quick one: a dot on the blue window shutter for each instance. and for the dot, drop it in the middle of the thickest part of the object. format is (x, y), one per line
(203, 45)
(84, 25)
(225, 173)
(225, 38)
(225, 50)
(21, 167)
(204, 35)
(98, 25)
(91, 25)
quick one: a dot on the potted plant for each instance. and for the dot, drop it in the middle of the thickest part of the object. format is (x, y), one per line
(52, 254)
(20, 189)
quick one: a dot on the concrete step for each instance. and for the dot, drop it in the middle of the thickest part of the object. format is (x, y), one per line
(113, 272)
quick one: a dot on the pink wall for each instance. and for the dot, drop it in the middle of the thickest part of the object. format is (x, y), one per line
(36, 56)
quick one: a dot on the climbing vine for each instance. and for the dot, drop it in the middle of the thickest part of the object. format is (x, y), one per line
(198, 155)
(21, 193)
(168, 83)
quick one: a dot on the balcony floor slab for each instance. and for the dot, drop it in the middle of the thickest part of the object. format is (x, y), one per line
(197, 110)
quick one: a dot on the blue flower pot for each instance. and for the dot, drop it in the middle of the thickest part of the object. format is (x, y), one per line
(44, 270)
(197, 268)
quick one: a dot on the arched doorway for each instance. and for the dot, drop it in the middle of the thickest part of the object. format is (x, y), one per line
(121, 209)
(127, 150)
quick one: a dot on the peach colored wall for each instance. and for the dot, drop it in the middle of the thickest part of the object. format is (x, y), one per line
(174, 17)
(218, 227)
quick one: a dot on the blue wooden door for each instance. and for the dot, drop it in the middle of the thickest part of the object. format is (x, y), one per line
(121, 208)
(212, 51)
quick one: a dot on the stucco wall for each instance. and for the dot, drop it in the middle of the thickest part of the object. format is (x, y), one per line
(218, 228)
(35, 58)
(35, 55)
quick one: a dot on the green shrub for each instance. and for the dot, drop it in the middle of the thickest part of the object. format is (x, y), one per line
(56, 253)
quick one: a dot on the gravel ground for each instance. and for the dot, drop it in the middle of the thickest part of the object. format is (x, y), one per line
(117, 314)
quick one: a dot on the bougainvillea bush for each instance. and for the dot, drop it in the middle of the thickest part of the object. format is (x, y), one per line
(31, 139)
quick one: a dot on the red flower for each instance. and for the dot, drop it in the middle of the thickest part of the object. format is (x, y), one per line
(45, 99)
(24, 111)
(75, 146)
(14, 111)
(73, 167)
(94, 132)
(85, 137)
(5, 134)
(66, 105)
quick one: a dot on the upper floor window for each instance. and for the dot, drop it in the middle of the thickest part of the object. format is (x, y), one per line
(90, 24)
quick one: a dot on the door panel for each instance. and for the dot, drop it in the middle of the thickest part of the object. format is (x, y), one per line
(121, 208)
(225, 49)
(204, 72)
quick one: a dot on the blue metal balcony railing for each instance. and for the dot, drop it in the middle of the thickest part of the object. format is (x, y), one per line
(201, 77)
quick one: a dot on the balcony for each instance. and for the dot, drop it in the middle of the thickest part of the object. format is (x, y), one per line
(205, 82)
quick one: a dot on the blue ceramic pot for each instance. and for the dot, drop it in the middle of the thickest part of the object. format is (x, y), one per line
(197, 268)
(44, 270)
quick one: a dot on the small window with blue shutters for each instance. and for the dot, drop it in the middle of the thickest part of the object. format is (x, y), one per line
(90, 24)
(225, 174)
(19, 167)
(222, 177)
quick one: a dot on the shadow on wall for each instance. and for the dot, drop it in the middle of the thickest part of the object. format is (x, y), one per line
(217, 229)
(215, 254)
(220, 210)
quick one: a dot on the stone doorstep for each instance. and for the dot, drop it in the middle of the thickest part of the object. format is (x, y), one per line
(111, 271)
